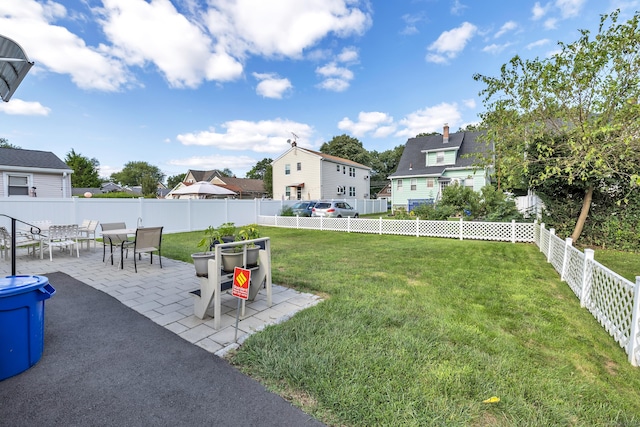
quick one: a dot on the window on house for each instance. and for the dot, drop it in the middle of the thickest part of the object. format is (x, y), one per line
(299, 166)
(344, 169)
(18, 185)
(337, 168)
(287, 169)
(399, 185)
(414, 184)
(440, 157)
(352, 171)
(352, 191)
(468, 182)
(287, 193)
(429, 182)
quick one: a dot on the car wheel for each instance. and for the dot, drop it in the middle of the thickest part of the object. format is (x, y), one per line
(339, 216)
(355, 216)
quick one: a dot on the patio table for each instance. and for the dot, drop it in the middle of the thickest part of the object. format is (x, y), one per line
(119, 231)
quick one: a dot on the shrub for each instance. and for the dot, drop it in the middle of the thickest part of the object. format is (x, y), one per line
(286, 211)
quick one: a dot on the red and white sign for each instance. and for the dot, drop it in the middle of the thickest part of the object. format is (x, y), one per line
(241, 279)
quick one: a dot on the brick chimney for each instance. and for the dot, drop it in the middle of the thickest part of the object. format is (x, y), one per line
(445, 133)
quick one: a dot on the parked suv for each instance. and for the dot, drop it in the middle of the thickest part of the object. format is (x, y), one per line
(334, 210)
(303, 208)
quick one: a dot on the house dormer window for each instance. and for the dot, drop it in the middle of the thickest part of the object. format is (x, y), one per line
(440, 157)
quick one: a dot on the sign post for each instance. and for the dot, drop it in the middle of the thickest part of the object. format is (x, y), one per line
(240, 290)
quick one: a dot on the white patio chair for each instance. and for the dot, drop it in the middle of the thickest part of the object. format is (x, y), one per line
(62, 236)
(22, 241)
(87, 233)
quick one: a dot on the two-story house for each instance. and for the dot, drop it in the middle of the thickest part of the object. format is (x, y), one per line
(430, 163)
(303, 174)
(32, 173)
(245, 188)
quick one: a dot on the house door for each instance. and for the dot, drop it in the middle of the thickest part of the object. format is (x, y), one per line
(299, 193)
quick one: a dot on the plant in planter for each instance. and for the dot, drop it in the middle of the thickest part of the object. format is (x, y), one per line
(232, 257)
(200, 259)
(227, 232)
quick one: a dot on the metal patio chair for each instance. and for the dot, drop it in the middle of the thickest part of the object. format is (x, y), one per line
(148, 240)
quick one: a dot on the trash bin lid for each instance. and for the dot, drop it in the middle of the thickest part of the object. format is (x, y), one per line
(12, 285)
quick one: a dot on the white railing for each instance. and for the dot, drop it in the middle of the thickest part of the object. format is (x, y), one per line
(501, 231)
(613, 300)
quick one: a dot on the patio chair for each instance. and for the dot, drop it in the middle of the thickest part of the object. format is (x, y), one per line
(62, 236)
(148, 240)
(22, 241)
(118, 241)
(87, 233)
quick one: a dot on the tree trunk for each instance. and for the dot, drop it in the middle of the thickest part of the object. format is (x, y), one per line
(584, 212)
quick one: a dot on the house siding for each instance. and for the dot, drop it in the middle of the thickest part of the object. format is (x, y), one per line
(47, 185)
(319, 175)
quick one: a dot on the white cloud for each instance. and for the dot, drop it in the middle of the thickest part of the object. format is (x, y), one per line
(469, 103)
(209, 41)
(24, 108)
(281, 28)
(569, 8)
(375, 123)
(539, 11)
(495, 48)
(551, 24)
(451, 43)
(508, 26)
(430, 119)
(410, 23)
(336, 78)
(538, 43)
(457, 8)
(349, 55)
(265, 136)
(56, 49)
(272, 86)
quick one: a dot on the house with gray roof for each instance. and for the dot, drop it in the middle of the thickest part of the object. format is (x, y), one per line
(33, 173)
(303, 174)
(431, 163)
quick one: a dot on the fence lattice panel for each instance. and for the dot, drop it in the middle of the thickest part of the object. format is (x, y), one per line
(574, 270)
(487, 230)
(448, 229)
(556, 252)
(611, 302)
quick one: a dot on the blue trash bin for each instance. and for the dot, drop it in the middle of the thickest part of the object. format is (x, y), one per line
(22, 322)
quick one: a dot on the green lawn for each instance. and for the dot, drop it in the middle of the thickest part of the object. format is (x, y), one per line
(419, 331)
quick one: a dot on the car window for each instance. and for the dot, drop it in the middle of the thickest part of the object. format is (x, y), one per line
(347, 206)
(322, 205)
(340, 205)
(298, 206)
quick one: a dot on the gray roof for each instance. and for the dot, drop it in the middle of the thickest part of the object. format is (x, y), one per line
(413, 160)
(17, 157)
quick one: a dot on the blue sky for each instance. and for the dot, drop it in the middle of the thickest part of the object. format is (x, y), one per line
(214, 84)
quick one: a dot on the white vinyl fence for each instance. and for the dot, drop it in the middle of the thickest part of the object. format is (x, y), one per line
(174, 215)
(613, 300)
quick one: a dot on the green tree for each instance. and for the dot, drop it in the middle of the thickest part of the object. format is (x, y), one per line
(575, 115)
(260, 169)
(149, 185)
(421, 134)
(133, 172)
(383, 164)
(4, 143)
(85, 171)
(174, 180)
(268, 181)
(347, 147)
(227, 172)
